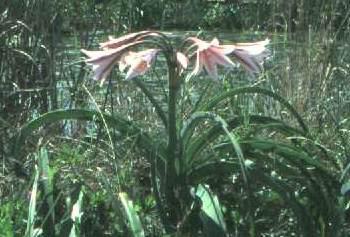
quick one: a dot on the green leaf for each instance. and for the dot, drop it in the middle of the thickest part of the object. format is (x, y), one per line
(133, 218)
(293, 154)
(46, 179)
(200, 142)
(30, 231)
(211, 213)
(258, 173)
(76, 215)
(345, 188)
(124, 126)
(6, 222)
(254, 90)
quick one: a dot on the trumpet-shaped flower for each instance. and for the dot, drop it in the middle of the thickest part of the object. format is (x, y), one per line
(255, 48)
(209, 55)
(139, 62)
(103, 61)
(251, 55)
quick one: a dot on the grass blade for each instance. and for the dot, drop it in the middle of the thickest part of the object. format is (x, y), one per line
(133, 218)
(46, 179)
(30, 231)
(76, 215)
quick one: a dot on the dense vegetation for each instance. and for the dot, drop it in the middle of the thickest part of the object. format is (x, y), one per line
(243, 156)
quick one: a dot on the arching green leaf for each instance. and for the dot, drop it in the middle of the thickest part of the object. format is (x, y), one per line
(211, 213)
(253, 90)
(122, 125)
(133, 218)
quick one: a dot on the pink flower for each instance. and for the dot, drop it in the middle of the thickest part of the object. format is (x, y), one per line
(139, 62)
(103, 61)
(209, 55)
(251, 55)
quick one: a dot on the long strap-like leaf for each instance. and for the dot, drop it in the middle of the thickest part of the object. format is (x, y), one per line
(122, 125)
(192, 148)
(253, 90)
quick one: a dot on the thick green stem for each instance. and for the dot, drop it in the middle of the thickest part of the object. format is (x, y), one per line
(173, 89)
(171, 174)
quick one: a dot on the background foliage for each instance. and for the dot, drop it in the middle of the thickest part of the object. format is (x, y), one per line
(297, 160)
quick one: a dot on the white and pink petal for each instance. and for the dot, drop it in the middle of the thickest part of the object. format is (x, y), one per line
(182, 60)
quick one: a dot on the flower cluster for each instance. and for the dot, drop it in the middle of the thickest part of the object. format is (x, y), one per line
(208, 55)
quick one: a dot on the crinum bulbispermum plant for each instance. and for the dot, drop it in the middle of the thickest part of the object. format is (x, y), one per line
(136, 53)
(254, 162)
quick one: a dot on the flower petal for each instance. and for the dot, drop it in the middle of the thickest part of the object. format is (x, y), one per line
(215, 42)
(199, 63)
(182, 60)
(209, 55)
(250, 55)
(140, 62)
(223, 49)
(139, 67)
(248, 61)
(210, 66)
(126, 59)
(103, 61)
(201, 44)
(102, 70)
(256, 48)
(219, 58)
(117, 42)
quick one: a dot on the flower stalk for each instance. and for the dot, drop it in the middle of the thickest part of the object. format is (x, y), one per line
(173, 147)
